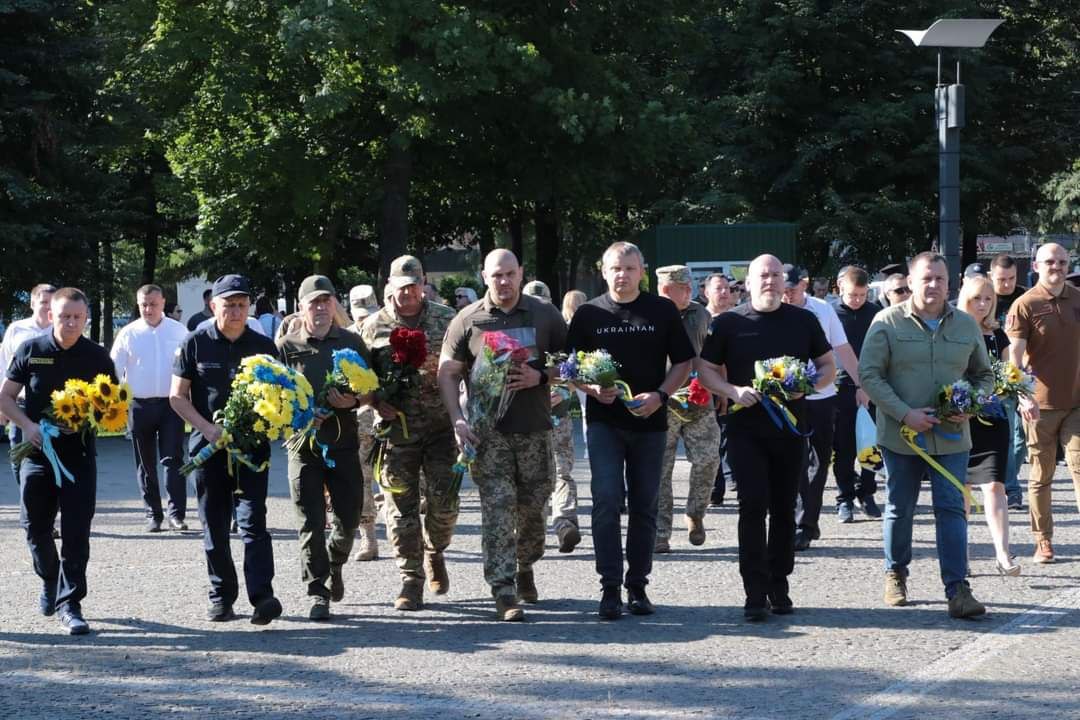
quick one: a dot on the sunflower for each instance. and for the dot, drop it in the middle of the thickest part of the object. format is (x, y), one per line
(123, 394)
(778, 371)
(112, 419)
(64, 408)
(102, 391)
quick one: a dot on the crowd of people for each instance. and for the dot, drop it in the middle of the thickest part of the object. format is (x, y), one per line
(889, 356)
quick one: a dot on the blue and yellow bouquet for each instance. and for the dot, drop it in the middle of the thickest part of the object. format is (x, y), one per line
(348, 374)
(269, 401)
(1011, 381)
(784, 376)
(957, 398)
(592, 368)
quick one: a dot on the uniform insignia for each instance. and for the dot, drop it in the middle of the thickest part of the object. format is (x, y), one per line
(42, 361)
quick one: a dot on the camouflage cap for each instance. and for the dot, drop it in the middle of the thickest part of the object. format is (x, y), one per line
(673, 274)
(406, 270)
(362, 300)
(538, 289)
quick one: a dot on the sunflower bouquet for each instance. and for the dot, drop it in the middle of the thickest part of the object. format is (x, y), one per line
(348, 374)
(784, 376)
(81, 406)
(592, 368)
(268, 401)
(489, 398)
(1011, 381)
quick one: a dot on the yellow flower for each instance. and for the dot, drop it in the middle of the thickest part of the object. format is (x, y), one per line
(123, 393)
(1014, 375)
(778, 371)
(64, 408)
(112, 419)
(259, 426)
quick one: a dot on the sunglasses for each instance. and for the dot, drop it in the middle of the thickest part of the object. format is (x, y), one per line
(901, 291)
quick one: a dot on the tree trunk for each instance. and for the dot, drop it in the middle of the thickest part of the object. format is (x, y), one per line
(517, 235)
(547, 246)
(95, 302)
(152, 231)
(486, 242)
(394, 226)
(328, 240)
(108, 295)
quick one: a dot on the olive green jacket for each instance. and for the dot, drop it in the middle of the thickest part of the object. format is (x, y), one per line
(904, 364)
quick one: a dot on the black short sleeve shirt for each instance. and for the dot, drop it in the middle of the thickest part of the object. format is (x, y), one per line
(210, 361)
(643, 337)
(742, 336)
(41, 366)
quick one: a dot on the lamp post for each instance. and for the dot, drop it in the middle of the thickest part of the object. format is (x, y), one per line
(949, 115)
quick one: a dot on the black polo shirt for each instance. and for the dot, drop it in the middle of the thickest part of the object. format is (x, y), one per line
(41, 366)
(538, 325)
(210, 361)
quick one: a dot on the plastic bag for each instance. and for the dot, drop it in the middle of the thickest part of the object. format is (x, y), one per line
(868, 454)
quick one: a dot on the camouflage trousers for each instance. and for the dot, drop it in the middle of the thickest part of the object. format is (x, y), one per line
(400, 471)
(513, 473)
(368, 511)
(564, 496)
(701, 436)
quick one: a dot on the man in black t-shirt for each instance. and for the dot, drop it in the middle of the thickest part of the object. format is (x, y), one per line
(856, 314)
(42, 365)
(1003, 275)
(766, 455)
(206, 363)
(643, 333)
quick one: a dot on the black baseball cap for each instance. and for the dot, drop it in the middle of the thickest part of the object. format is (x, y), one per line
(793, 275)
(976, 269)
(894, 268)
(229, 285)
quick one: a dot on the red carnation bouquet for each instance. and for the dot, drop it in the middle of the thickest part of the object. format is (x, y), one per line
(398, 367)
(489, 398)
(694, 395)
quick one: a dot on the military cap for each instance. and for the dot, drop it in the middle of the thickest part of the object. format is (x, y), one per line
(673, 274)
(406, 270)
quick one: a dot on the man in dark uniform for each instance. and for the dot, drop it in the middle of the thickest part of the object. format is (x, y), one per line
(43, 365)
(206, 363)
(309, 348)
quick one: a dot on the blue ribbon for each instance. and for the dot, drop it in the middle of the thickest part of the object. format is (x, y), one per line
(920, 439)
(781, 416)
(48, 432)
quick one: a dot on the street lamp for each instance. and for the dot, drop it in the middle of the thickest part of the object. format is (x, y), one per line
(949, 112)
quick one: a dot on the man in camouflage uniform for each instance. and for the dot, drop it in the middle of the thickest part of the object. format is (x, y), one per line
(362, 303)
(564, 519)
(512, 469)
(696, 424)
(429, 444)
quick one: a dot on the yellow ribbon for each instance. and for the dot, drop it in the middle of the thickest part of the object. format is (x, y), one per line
(392, 489)
(909, 436)
(386, 429)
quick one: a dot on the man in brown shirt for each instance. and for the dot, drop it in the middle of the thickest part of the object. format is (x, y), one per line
(513, 466)
(1044, 324)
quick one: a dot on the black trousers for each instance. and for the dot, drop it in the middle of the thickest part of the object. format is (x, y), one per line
(219, 494)
(307, 476)
(158, 432)
(852, 484)
(766, 470)
(723, 472)
(822, 419)
(40, 498)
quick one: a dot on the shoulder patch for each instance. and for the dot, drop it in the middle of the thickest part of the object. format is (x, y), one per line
(42, 361)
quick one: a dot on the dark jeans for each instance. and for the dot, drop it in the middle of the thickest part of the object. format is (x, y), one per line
(307, 476)
(157, 431)
(40, 498)
(631, 462)
(767, 471)
(14, 433)
(822, 416)
(852, 484)
(723, 473)
(217, 495)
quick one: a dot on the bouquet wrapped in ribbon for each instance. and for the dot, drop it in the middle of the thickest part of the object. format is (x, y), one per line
(348, 374)
(98, 405)
(778, 379)
(489, 398)
(1011, 381)
(268, 401)
(398, 369)
(957, 398)
(592, 368)
(694, 395)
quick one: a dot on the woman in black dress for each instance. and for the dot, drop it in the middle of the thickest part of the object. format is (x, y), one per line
(990, 440)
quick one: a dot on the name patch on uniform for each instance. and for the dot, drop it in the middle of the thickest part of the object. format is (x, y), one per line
(42, 361)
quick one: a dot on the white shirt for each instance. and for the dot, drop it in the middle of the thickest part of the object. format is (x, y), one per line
(143, 356)
(834, 333)
(17, 333)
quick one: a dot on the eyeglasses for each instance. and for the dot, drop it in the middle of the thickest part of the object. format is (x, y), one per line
(901, 291)
(461, 297)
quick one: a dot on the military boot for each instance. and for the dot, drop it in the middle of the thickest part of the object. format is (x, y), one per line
(438, 581)
(695, 526)
(526, 587)
(411, 596)
(507, 610)
(368, 547)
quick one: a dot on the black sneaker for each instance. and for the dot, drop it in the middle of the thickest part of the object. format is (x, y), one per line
(72, 619)
(220, 611)
(638, 602)
(845, 512)
(716, 498)
(337, 584)
(780, 603)
(266, 611)
(802, 540)
(870, 507)
(1016, 501)
(756, 611)
(610, 603)
(47, 601)
(569, 537)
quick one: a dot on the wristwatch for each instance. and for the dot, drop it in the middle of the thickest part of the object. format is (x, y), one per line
(663, 396)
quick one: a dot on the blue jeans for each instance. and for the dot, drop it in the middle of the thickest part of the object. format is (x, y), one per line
(1017, 454)
(632, 460)
(902, 495)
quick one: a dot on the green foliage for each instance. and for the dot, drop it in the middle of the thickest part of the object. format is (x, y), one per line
(450, 283)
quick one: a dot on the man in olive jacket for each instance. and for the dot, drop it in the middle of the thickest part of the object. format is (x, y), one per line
(911, 350)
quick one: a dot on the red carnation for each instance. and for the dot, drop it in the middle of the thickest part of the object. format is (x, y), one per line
(408, 347)
(698, 394)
